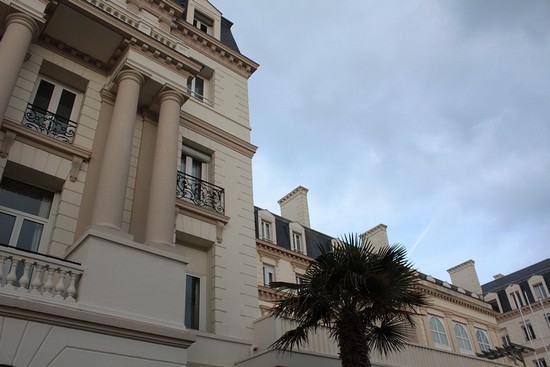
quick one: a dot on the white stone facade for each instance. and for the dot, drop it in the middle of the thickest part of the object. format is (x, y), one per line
(142, 253)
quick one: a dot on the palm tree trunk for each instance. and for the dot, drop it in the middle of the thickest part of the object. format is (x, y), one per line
(352, 341)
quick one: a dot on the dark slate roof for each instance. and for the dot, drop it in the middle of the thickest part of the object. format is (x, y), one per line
(227, 36)
(314, 239)
(520, 276)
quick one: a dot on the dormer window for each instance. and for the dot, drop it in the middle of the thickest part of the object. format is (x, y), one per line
(297, 238)
(266, 231)
(297, 242)
(266, 226)
(203, 22)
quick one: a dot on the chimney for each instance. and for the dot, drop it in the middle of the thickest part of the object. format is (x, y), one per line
(377, 236)
(465, 276)
(294, 206)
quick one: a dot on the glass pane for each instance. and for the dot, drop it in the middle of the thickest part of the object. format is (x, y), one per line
(199, 86)
(43, 95)
(6, 227)
(26, 198)
(196, 169)
(66, 103)
(29, 237)
(192, 302)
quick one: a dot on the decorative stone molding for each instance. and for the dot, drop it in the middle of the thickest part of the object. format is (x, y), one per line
(9, 138)
(278, 252)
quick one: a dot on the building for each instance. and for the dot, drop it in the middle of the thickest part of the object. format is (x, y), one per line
(126, 221)
(523, 306)
(455, 326)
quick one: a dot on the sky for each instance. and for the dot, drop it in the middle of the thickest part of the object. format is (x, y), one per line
(431, 117)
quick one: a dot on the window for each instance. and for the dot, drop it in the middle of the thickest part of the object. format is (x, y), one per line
(192, 302)
(482, 340)
(547, 316)
(266, 226)
(203, 22)
(54, 110)
(297, 242)
(438, 332)
(540, 362)
(196, 87)
(269, 274)
(462, 338)
(194, 165)
(518, 300)
(265, 231)
(494, 305)
(299, 279)
(540, 291)
(528, 330)
(506, 340)
(24, 214)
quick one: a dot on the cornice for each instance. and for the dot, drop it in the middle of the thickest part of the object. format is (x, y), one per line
(525, 309)
(279, 252)
(267, 294)
(166, 42)
(434, 291)
(207, 44)
(82, 319)
(218, 135)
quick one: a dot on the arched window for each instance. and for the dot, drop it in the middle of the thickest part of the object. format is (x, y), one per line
(438, 332)
(482, 340)
(462, 338)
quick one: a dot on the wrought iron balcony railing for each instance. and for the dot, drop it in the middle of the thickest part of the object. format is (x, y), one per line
(50, 124)
(200, 192)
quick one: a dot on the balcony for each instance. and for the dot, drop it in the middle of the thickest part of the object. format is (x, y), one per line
(49, 123)
(322, 351)
(28, 274)
(200, 193)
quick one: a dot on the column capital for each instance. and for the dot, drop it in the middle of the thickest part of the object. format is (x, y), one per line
(130, 74)
(25, 20)
(171, 95)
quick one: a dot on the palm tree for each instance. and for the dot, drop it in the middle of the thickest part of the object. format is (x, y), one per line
(366, 298)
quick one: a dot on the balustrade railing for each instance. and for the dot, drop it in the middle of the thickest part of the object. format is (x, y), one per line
(50, 124)
(200, 192)
(38, 275)
(413, 355)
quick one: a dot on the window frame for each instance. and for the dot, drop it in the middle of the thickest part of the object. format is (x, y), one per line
(266, 216)
(438, 321)
(22, 216)
(265, 230)
(541, 362)
(203, 22)
(540, 291)
(483, 341)
(462, 339)
(528, 332)
(267, 271)
(56, 96)
(297, 231)
(200, 318)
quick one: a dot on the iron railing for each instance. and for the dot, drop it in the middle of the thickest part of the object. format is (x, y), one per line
(49, 123)
(200, 192)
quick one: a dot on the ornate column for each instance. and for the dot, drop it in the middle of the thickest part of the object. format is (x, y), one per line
(113, 175)
(20, 31)
(162, 195)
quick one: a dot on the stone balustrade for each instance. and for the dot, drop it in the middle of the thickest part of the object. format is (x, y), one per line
(321, 346)
(38, 275)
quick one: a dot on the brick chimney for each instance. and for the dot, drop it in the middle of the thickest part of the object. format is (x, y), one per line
(294, 206)
(465, 276)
